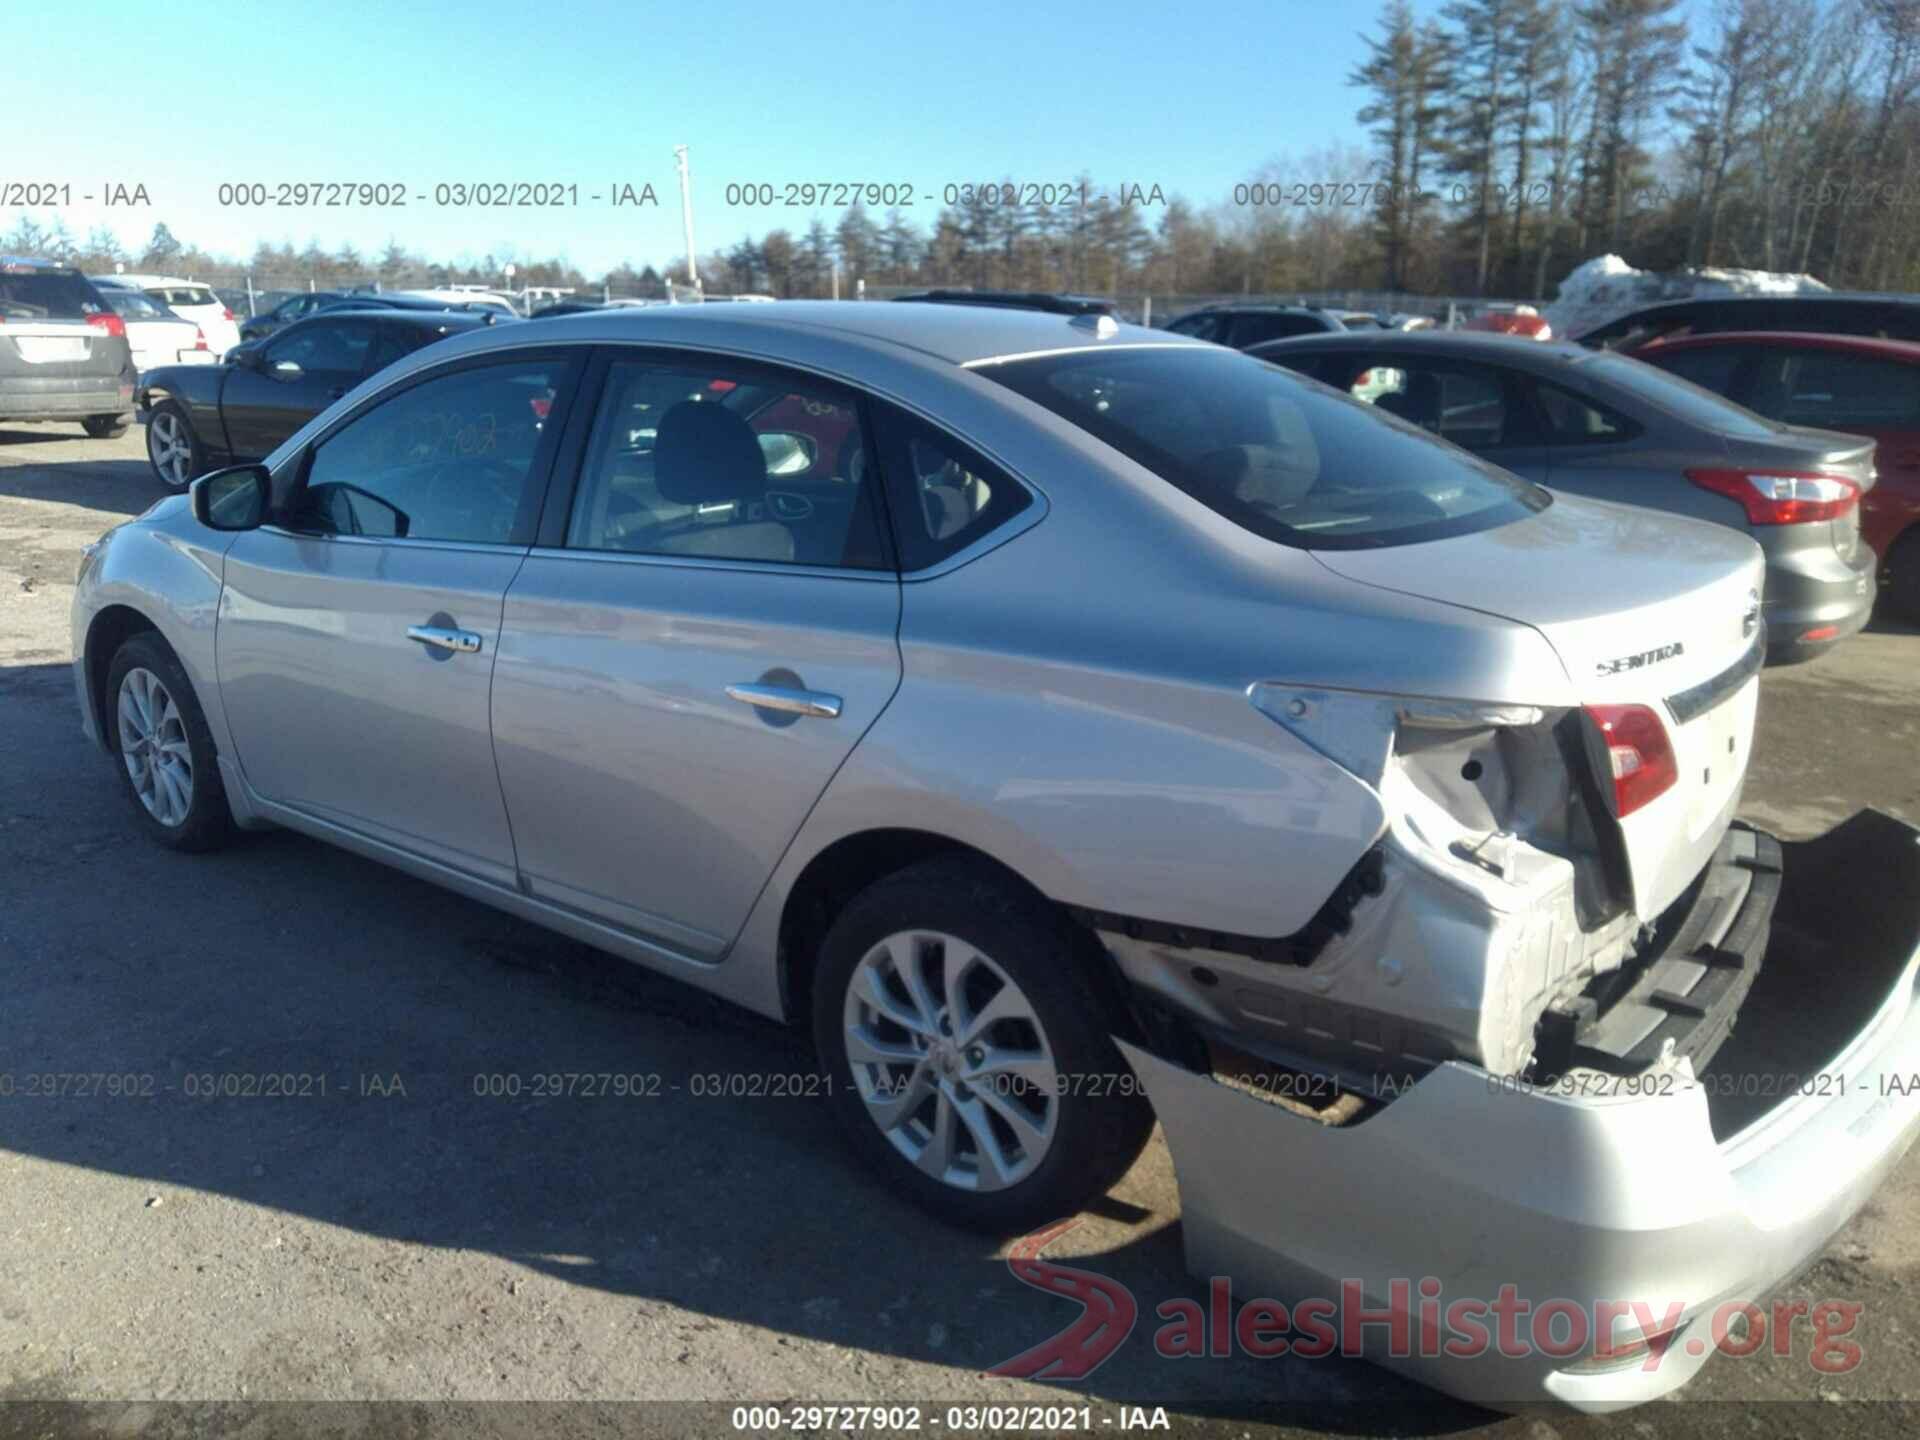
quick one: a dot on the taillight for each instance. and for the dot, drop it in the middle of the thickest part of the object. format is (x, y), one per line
(1782, 497)
(542, 406)
(226, 315)
(112, 324)
(200, 339)
(1639, 753)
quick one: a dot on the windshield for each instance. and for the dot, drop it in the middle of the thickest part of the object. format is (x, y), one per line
(1680, 398)
(47, 295)
(1281, 456)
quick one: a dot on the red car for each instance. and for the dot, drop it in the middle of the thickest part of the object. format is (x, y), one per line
(1853, 383)
(1527, 323)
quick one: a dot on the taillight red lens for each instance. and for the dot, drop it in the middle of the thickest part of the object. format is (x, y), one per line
(542, 406)
(1639, 752)
(200, 339)
(226, 314)
(1782, 497)
(112, 324)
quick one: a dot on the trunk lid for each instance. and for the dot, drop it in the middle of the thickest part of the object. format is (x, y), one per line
(1642, 608)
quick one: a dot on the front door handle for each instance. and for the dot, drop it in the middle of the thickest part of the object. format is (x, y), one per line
(439, 637)
(816, 703)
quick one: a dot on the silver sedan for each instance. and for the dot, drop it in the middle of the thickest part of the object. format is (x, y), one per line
(1048, 712)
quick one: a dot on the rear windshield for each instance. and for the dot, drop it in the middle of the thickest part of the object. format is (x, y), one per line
(131, 305)
(1281, 456)
(1680, 398)
(182, 294)
(47, 295)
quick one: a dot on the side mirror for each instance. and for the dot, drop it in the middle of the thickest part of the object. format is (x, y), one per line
(787, 453)
(233, 499)
(246, 356)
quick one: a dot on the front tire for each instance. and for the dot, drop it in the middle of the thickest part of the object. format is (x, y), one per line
(1900, 578)
(107, 427)
(966, 1030)
(159, 734)
(173, 449)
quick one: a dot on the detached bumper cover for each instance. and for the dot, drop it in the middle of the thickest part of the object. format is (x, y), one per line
(1670, 1191)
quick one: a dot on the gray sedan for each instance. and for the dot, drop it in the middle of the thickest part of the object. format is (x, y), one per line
(1068, 723)
(1586, 423)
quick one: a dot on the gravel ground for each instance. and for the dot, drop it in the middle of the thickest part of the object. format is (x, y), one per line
(399, 1237)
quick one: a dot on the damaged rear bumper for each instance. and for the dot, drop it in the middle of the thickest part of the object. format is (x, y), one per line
(1682, 1192)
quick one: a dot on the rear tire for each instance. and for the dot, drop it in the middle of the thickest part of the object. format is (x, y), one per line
(158, 735)
(173, 449)
(107, 427)
(1900, 578)
(966, 1031)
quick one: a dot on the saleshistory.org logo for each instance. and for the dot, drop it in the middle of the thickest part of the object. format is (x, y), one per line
(1415, 1319)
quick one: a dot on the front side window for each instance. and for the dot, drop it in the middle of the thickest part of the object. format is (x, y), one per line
(326, 347)
(1274, 454)
(452, 458)
(715, 461)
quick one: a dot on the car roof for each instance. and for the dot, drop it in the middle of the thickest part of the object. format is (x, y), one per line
(1261, 307)
(17, 263)
(141, 281)
(960, 334)
(398, 315)
(1461, 344)
(1905, 350)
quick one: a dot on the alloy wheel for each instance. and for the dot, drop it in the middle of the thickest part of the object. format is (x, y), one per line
(951, 1060)
(170, 448)
(154, 748)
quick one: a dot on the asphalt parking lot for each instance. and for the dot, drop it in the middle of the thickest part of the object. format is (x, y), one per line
(390, 1233)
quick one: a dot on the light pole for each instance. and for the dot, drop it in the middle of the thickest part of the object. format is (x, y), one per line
(686, 212)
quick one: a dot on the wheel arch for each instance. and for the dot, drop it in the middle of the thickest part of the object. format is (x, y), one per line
(111, 627)
(845, 867)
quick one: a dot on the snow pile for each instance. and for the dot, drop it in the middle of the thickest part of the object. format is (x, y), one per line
(1604, 288)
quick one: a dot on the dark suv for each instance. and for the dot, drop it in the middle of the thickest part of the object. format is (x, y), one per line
(1887, 317)
(1243, 326)
(63, 352)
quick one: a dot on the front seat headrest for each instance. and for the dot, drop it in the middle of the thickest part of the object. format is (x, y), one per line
(704, 454)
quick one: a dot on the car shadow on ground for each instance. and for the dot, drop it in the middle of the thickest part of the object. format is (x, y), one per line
(413, 1029)
(76, 470)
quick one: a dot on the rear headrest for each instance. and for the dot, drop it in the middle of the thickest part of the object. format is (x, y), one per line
(704, 454)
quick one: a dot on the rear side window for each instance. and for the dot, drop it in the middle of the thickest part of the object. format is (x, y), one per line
(47, 295)
(1575, 420)
(942, 495)
(1277, 456)
(711, 460)
(1836, 391)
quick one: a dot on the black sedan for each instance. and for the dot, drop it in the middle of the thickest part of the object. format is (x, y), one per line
(294, 307)
(200, 417)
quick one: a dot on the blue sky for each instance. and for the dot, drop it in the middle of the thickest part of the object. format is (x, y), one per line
(1190, 98)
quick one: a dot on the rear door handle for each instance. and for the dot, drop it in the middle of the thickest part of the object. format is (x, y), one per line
(816, 703)
(439, 637)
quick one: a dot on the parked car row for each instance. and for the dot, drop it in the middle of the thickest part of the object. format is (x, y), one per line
(1343, 756)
